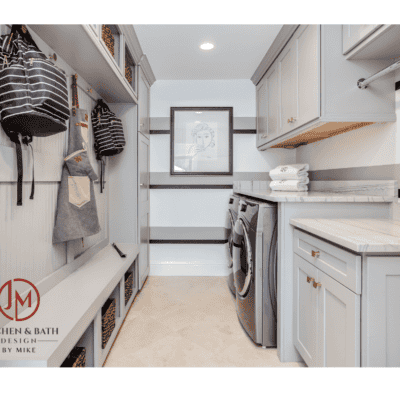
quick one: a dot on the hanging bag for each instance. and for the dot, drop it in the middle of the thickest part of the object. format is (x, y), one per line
(108, 134)
(33, 94)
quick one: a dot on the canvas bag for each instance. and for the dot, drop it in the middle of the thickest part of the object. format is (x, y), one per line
(33, 94)
(108, 135)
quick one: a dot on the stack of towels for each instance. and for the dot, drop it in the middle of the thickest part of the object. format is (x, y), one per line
(290, 178)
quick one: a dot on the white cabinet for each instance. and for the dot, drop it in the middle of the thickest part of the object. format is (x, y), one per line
(338, 324)
(288, 87)
(308, 90)
(326, 317)
(305, 310)
(353, 35)
(261, 95)
(316, 84)
(268, 106)
(380, 319)
(288, 95)
(144, 105)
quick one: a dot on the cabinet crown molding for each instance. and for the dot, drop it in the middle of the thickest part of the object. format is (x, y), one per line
(276, 47)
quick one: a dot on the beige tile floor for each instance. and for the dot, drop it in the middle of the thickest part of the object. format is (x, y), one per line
(187, 322)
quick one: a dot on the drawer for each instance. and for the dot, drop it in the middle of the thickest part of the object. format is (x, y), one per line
(341, 265)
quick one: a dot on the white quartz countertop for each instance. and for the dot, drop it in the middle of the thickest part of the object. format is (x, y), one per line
(315, 197)
(360, 235)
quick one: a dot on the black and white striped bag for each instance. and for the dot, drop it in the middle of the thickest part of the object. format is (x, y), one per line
(33, 93)
(108, 134)
(107, 130)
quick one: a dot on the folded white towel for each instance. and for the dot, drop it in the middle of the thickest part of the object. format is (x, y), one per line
(292, 172)
(289, 186)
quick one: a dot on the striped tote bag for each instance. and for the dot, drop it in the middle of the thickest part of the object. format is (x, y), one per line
(33, 94)
(107, 130)
(108, 135)
(33, 91)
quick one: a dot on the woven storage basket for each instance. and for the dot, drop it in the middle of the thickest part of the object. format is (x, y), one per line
(128, 74)
(129, 65)
(128, 286)
(75, 359)
(108, 38)
(107, 321)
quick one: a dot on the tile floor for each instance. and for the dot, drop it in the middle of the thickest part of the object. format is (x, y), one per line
(187, 322)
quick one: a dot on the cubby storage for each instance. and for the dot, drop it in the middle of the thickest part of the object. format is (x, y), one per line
(130, 68)
(107, 321)
(113, 40)
(76, 359)
(128, 286)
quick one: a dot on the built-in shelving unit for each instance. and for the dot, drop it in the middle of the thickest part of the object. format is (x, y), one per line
(73, 307)
(87, 53)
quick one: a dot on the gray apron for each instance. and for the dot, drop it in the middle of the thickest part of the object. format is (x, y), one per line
(76, 215)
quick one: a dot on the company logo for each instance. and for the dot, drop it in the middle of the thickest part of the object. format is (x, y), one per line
(30, 298)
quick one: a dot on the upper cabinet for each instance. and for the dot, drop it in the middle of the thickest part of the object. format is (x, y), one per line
(311, 89)
(106, 56)
(355, 34)
(375, 42)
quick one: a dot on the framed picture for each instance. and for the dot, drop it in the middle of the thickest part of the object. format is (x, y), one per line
(201, 140)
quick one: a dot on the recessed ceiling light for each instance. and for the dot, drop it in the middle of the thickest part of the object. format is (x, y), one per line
(207, 46)
(199, 112)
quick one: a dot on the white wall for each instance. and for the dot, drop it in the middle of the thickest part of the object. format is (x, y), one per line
(201, 207)
(26, 248)
(239, 94)
(374, 145)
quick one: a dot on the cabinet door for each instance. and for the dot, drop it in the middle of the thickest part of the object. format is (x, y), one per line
(261, 98)
(288, 87)
(338, 324)
(272, 89)
(144, 207)
(308, 61)
(353, 35)
(144, 105)
(305, 310)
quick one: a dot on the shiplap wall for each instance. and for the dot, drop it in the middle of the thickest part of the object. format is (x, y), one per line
(26, 249)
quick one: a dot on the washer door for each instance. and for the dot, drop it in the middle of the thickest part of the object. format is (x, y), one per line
(242, 259)
(230, 238)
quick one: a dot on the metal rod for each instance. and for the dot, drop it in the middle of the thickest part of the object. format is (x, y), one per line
(363, 83)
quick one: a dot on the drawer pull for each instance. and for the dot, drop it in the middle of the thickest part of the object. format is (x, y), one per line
(309, 279)
(314, 253)
(264, 136)
(315, 284)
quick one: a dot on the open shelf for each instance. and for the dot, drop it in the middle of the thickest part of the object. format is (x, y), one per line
(89, 57)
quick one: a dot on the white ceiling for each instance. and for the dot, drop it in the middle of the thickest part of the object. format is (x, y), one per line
(173, 50)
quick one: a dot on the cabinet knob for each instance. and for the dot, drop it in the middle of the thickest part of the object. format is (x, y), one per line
(314, 253)
(309, 279)
(315, 284)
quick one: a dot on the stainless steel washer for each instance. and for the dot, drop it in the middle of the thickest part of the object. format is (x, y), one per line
(255, 269)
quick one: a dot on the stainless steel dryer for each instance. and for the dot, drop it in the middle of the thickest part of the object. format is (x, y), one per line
(230, 221)
(255, 269)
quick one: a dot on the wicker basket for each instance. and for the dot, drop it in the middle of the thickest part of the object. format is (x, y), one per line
(107, 321)
(108, 38)
(75, 359)
(129, 67)
(128, 74)
(128, 286)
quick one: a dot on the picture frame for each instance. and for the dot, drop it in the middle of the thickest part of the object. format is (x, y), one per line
(201, 141)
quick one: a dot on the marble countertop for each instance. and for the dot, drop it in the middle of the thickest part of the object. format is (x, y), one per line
(315, 197)
(360, 235)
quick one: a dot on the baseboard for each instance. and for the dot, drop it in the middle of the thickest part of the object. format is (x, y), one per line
(169, 269)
